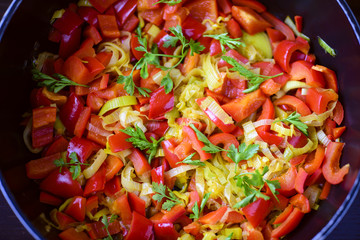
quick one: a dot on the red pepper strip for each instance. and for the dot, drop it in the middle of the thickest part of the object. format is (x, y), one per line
(255, 5)
(157, 127)
(338, 113)
(118, 142)
(89, 14)
(241, 108)
(38, 99)
(147, 4)
(225, 139)
(96, 183)
(285, 50)
(279, 25)
(325, 191)
(173, 18)
(134, 43)
(82, 147)
(267, 112)
(226, 128)
(42, 136)
(215, 47)
(331, 170)
(174, 214)
(192, 28)
(234, 28)
(43, 117)
(82, 122)
(165, 231)
(96, 132)
(41, 168)
(62, 220)
(160, 103)
(300, 180)
(329, 126)
(235, 55)
(234, 217)
(97, 230)
(252, 233)
(69, 43)
(275, 35)
(75, 69)
(314, 160)
(298, 140)
(60, 144)
(108, 26)
(315, 178)
(72, 234)
(203, 9)
(153, 16)
(193, 228)
(157, 175)
(104, 58)
(101, 5)
(284, 215)
(287, 181)
(194, 197)
(141, 228)
(295, 103)
(289, 224)
(256, 212)
(330, 77)
(225, 6)
(299, 22)
(160, 39)
(131, 23)
(61, 184)
(137, 204)
(93, 65)
(92, 204)
(337, 132)
(183, 150)
(113, 186)
(303, 70)
(76, 208)
(140, 162)
(121, 207)
(68, 22)
(50, 199)
(86, 49)
(249, 20)
(213, 217)
(113, 166)
(125, 9)
(170, 156)
(190, 135)
(301, 202)
(298, 160)
(280, 203)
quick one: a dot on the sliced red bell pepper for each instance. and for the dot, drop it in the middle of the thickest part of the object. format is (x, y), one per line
(134, 43)
(60, 144)
(338, 113)
(241, 108)
(275, 35)
(289, 224)
(61, 220)
(101, 5)
(174, 214)
(160, 39)
(69, 43)
(331, 170)
(301, 202)
(41, 168)
(137, 204)
(157, 175)
(76, 208)
(285, 50)
(170, 156)
(153, 16)
(121, 206)
(44, 116)
(192, 28)
(96, 131)
(213, 217)
(235, 55)
(89, 14)
(314, 160)
(298, 159)
(318, 100)
(97, 230)
(193, 228)
(234, 217)
(157, 127)
(225, 139)
(160, 103)
(300, 180)
(93, 65)
(141, 228)
(329, 75)
(325, 191)
(284, 215)
(279, 25)
(75, 69)
(108, 26)
(233, 28)
(203, 9)
(315, 178)
(190, 136)
(92, 204)
(255, 5)
(118, 142)
(113, 186)
(38, 99)
(298, 140)
(42, 136)
(256, 212)
(303, 70)
(82, 147)
(61, 184)
(225, 6)
(268, 112)
(287, 181)
(113, 166)
(140, 162)
(337, 132)
(270, 138)
(165, 231)
(49, 199)
(295, 103)
(125, 9)
(249, 20)
(72, 234)
(82, 122)
(215, 47)
(68, 22)
(97, 182)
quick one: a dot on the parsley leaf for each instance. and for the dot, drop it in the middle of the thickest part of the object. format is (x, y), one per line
(139, 140)
(106, 222)
(74, 165)
(253, 185)
(167, 82)
(226, 40)
(209, 147)
(160, 190)
(243, 152)
(293, 118)
(254, 79)
(195, 208)
(169, 2)
(55, 83)
(188, 160)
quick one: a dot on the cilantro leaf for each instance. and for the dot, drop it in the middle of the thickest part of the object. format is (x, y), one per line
(171, 199)
(195, 47)
(254, 79)
(195, 208)
(169, 2)
(74, 165)
(226, 40)
(188, 160)
(54, 84)
(243, 152)
(293, 118)
(106, 222)
(209, 147)
(139, 140)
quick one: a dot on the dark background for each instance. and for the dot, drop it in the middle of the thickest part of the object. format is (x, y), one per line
(11, 228)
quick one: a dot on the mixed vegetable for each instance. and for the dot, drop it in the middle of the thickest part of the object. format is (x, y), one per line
(181, 119)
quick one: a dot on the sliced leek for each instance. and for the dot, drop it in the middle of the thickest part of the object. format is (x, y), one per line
(118, 102)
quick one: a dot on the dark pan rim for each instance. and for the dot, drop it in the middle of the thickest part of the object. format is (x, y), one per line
(324, 233)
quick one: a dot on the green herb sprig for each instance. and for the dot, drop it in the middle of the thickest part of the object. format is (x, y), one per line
(209, 147)
(160, 190)
(226, 40)
(106, 222)
(195, 208)
(74, 165)
(169, 2)
(243, 152)
(188, 160)
(293, 118)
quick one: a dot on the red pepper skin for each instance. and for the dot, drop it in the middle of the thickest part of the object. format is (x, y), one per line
(270, 69)
(314, 160)
(70, 112)
(157, 175)
(62, 220)
(38, 99)
(268, 112)
(295, 103)
(331, 170)
(215, 47)
(69, 43)
(256, 212)
(160, 39)
(92, 204)
(300, 180)
(192, 28)
(43, 117)
(255, 5)
(113, 186)
(165, 231)
(318, 100)
(50, 199)
(270, 138)
(225, 6)
(330, 77)
(82, 147)
(174, 214)
(101, 5)
(108, 26)
(68, 22)
(61, 184)
(235, 55)
(170, 156)
(41, 168)
(125, 9)
(141, 228)
(60, 144)
(160, 103)
(234, 28)
(134, 43)
(301, 202)
(97, 133)
(140, 162)
(203, 9)
(249, 20)
(118, 143)
(76, 208)
(226, 139)
(89, 14)
(96, 183)
(137, 204)
(213, 217)
(289, 224)
(121, 206)
(157, 127)
(287, 181)
(279, 25)
(82, 122)
(97, 230)
(285, 49)
(72, 234)
(190, 136)
(42, 136)
(303, 69)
